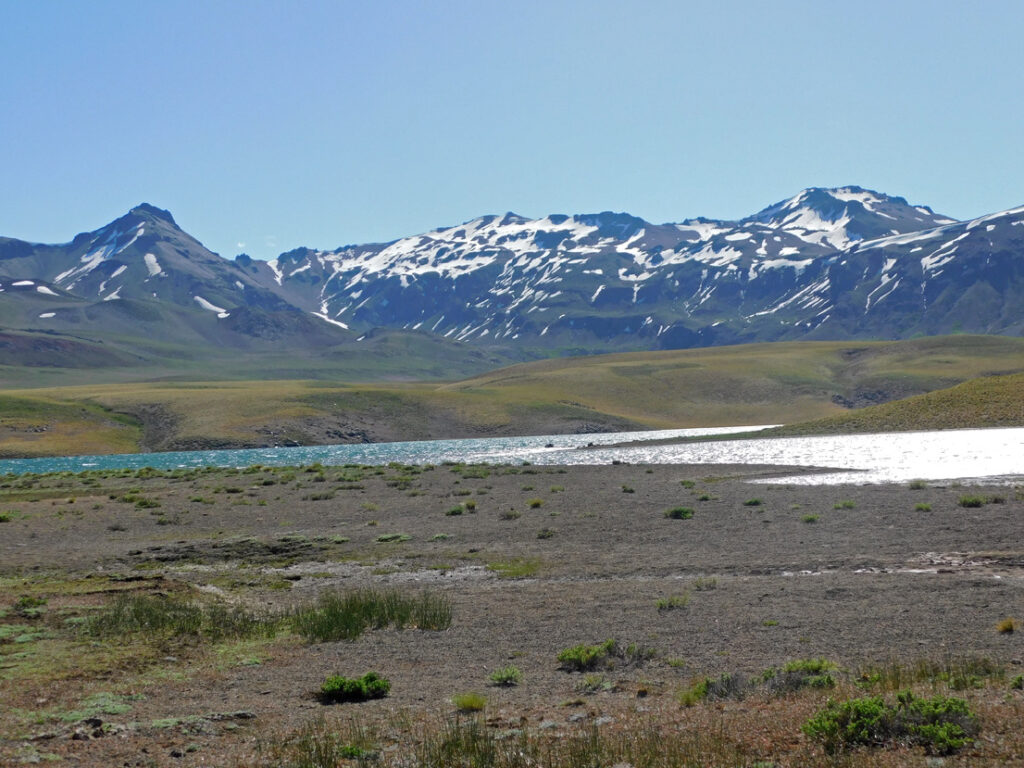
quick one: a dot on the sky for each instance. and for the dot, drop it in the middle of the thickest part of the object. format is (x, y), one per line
(265, 126)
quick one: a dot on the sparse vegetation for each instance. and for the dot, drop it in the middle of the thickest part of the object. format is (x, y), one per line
(844, 504)
(753, 503)
(972, 501)
(1007, 626)
(673, 602)
(922, 506)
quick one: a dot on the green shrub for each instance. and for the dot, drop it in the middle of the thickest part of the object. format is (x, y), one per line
(580, 658)
(922, 507)
(941, 725)
(753, 503)
(454, 511)
(972, 501)
(917, 485)
(687, 483)
(844, 504)
(346, 615)
(535, 503)
(679, 513)
(725, 686)
(810, 518)
(627, 489)
(1017, 683)
(5, 518)
(470, 506)
(506, 676)
(702, 585)
(338, 689)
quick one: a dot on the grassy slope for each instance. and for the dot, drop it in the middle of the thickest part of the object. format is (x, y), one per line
(996, 401)
(750, 384)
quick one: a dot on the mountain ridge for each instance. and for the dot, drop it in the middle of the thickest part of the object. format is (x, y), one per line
(841, 262)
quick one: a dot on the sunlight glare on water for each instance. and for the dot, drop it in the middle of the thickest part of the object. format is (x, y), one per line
(995, 455)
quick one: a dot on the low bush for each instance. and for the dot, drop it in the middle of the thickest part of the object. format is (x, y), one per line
(581, 658)
(454, 511)
(917, 485)
(810, 518)
(844, 504)
(535, 503)
(922, 507)
(546, 533)
(338, 689)
(753, 503)
(971, 502)
(1007, 626)
(725, 686)
(941, 725)
(679, 513)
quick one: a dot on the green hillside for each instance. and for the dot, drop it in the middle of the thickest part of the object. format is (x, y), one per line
(785, 383)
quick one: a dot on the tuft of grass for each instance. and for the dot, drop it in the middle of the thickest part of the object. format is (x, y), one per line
(753, 503)
(510, 515)
(679, 513)
(810, 518)
(1007, 626)
(506, 676)
(337, 689)
(922, 506)
(454, 511)
(469, 702)
(546, 533)
(702, 584)
(535, 503)
(346, 615)
(844, 504)
(673, 602)
(917, 485)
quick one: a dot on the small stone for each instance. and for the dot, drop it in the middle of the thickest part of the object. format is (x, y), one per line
(577, 716)
(604, 720)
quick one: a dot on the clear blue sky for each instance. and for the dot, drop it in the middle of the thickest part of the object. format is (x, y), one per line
(279, 124)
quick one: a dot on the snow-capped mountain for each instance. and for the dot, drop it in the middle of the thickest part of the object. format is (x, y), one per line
(826, 263)
(603, 280)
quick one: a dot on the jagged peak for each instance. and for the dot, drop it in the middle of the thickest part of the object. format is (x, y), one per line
(151, 211)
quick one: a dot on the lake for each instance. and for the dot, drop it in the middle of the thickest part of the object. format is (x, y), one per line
(970, 455)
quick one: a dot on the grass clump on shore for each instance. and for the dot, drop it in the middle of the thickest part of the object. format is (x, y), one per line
(515, 568)
(941, 725)
(345, 616)
(337, 689)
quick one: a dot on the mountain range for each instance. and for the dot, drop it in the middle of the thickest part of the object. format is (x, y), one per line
(840, 263)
